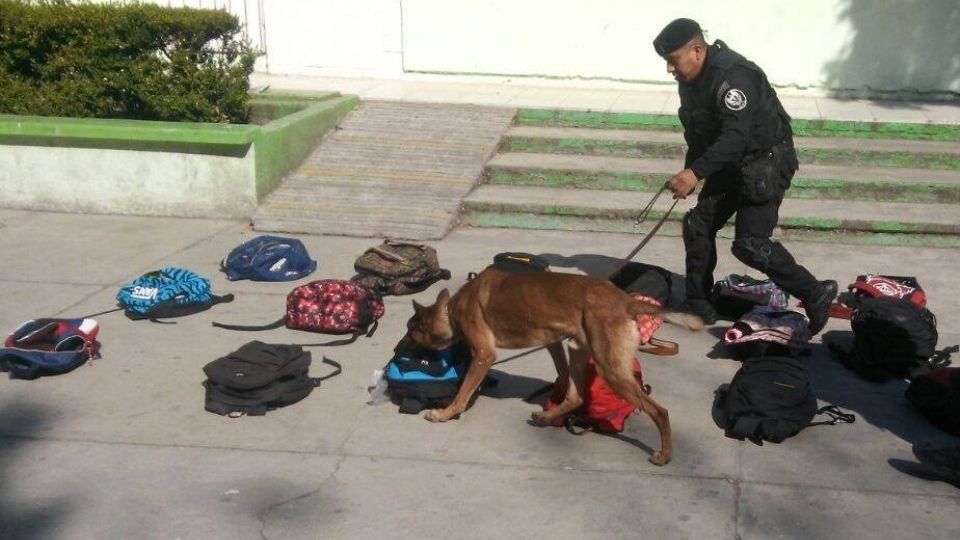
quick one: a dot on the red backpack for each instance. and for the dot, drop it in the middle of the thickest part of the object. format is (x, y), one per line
(328, 306)
(603, 409)
(877, 286)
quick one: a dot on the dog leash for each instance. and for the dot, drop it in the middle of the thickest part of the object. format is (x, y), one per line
(641, 218)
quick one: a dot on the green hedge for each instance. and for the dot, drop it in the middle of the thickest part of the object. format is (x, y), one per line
(144, 62)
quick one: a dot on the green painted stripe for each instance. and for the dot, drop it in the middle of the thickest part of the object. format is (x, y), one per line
(125, 130)
(806, 223)
(623, 181)
(802, 188)
(803, 128)
(473, 218)
(32, 129)
(649, 150)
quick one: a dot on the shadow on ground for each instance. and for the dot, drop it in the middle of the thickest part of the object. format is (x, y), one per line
(19, 424)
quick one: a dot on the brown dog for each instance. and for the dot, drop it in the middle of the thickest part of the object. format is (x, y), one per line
(513, 310)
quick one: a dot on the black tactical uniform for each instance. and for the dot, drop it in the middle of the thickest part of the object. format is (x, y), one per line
(739, 140)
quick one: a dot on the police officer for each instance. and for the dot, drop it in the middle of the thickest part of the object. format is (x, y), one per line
(739, 141)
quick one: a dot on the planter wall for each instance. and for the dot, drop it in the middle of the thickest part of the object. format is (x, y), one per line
(161, 168)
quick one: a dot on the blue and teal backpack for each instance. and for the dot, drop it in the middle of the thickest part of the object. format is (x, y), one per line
(420, 378)
(167, 292)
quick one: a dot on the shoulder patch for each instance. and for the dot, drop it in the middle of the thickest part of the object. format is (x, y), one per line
(735, 99)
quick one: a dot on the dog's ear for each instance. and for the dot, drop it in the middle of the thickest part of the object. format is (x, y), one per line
(443, 297)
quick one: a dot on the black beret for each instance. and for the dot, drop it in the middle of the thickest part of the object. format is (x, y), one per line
(675, 35)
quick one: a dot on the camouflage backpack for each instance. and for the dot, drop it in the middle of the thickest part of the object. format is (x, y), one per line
(399, 268)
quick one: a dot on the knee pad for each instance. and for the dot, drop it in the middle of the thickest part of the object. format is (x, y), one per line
(753, 251)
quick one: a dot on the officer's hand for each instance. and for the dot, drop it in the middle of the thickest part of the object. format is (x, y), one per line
(682, 184)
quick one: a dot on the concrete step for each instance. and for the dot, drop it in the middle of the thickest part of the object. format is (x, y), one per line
(811, 181)
(666, 144)
(836, 216)
(801, 128)
(390, 169)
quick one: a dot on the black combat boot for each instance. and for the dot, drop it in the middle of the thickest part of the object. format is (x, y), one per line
(818, 305)
(940, 459)
(700, 308)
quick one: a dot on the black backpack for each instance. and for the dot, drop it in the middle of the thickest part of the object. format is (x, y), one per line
(646, 279)
(936, 395)
(892, 337)
(769, 399)
(259, 377)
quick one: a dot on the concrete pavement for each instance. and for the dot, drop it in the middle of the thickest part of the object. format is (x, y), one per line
(122, 448)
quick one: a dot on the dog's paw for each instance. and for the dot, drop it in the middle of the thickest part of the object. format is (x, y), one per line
(437, 415)
(659, 458)
(539, 418)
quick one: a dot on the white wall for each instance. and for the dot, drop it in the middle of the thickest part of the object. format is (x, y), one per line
(880, 44)
(884, 44)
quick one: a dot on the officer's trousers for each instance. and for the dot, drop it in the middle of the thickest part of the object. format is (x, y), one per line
(718, 201)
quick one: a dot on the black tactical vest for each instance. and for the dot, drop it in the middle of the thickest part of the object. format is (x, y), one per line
(699, 102)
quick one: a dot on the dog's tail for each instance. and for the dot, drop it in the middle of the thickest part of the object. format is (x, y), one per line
(686, 320)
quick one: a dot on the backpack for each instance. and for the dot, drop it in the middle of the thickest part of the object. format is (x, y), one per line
(603, 410)
(328, 306)
(425, 379)
(891, 337)
(260, 377)
(647, 279)
(398, 268)
(736, 295)
(767, 330)
(167, 292)
(877, 286)
(49, 346)
(268, 258)
(936, 395)
(769, 399)
(515, 261)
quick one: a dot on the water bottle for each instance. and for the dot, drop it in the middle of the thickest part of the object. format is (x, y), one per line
(378, 388)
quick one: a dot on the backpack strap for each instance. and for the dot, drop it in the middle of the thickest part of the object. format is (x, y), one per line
(367, 332)
(745, 427)
(660, 347)
(337, 369)
(941, 358)
(836, 416)
(172, 308)
(577, 425)
(275, 324)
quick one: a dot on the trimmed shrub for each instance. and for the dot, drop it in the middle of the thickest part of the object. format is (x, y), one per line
(143, 62)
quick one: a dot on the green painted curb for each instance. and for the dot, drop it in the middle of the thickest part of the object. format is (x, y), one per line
(283, 144)
(785, 223)
(61, 131)
(801, 188)
(801, 128)
(297, 121)
(472, 218)
(641, 150)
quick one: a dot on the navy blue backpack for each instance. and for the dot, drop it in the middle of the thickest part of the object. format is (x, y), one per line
(168, 292)
(49, 346)
(268, 258)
